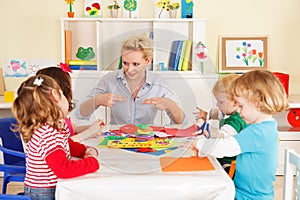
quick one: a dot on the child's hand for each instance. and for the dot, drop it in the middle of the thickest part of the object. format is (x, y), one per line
(91, 151)
(101, 124)
(96, 128)
(199, 123)
(194, 148)
(201, 114)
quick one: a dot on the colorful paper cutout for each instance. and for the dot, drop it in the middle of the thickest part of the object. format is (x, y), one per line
(171, 164)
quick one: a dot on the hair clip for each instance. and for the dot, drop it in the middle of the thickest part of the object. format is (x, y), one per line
(65, 67)
(38, 81)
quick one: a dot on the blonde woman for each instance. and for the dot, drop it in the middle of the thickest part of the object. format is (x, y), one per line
(133, 93)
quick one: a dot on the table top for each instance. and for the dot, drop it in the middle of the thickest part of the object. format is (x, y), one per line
(130, 175)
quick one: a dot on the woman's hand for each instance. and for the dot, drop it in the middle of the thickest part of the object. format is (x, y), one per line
(108, 99)
(160, 103)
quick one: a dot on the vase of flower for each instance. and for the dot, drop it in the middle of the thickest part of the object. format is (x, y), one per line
(114, 9)
(172, 13)
(173, 9)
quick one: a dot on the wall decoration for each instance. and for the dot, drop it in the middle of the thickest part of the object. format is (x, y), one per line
(15, 68)
(243, 53)
(161, 8)
(187, 7)
(130, 9)
(70, 4)
(23, 68)
(92, 8)
(201, 55)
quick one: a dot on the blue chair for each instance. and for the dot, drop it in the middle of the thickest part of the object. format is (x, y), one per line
(291, 189)
(13, 166)
(14, 196)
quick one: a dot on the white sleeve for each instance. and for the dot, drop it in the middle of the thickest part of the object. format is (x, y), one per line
(227, 130)
(219, 147)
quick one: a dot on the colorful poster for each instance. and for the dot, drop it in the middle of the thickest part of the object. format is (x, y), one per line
(92, 8)
(131, 9)
(187, 8)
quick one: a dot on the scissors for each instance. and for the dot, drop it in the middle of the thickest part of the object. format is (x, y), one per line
(204, 126)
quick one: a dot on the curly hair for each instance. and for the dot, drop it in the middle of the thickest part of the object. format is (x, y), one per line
(138, 43)
(35, 105)
(64, 81)
(262, 89)
(223, 85)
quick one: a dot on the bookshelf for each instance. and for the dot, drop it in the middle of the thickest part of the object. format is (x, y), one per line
(105, 35)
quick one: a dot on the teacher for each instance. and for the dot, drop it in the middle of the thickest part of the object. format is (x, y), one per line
(134, 94)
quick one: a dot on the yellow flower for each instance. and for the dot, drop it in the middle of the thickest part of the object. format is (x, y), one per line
(69, 1)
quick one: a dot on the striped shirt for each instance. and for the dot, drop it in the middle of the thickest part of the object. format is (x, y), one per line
(43, 142)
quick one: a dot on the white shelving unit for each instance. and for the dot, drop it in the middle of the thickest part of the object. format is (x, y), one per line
(289, 137)
(105, 36)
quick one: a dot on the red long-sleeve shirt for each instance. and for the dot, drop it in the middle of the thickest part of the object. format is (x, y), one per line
(48, 156)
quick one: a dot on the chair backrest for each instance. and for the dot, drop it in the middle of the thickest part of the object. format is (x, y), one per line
(14, 197)
(11, 140)
(232, 169)
(291, 189)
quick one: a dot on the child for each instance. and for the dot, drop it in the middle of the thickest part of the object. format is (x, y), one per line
(259, 95)
(40, 109)
(63, 78)
(232, 122)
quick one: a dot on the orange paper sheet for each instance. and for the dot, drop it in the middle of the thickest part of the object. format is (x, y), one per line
(182, 164)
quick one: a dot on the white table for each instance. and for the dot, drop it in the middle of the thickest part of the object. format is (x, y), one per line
(128, 175)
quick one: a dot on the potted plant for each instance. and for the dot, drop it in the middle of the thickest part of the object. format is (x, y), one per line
(114, 8)
(70, 2)
(173, 9)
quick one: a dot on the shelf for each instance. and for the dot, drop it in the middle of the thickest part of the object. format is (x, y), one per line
(294, 101)
(105, 36)
(136, 19)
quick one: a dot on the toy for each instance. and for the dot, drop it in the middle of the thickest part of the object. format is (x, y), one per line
(85, 54)
(293, 117)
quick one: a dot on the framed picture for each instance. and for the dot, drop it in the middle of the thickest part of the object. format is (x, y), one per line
(242, 53)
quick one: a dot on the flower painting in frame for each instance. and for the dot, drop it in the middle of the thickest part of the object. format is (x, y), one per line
(243, 53)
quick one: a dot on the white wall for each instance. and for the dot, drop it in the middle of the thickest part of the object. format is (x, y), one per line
(31, 29)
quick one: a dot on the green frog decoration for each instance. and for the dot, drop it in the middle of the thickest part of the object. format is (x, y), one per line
(85, 54)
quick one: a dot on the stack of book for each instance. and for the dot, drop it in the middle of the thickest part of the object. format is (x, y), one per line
(82, 64)
(76, 64)
(180, 55)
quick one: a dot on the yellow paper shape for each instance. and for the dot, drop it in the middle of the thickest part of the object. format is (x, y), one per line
(9, 96)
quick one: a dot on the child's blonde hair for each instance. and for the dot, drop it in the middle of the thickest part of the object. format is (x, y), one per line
(138, 43)
(223, 85)
(35, 105)
(262, 89)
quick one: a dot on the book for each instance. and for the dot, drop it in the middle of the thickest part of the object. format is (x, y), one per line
(181, 55)
(175, 55)
(68, 45)
(82, 62)
(83, 67)
(187, 55)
